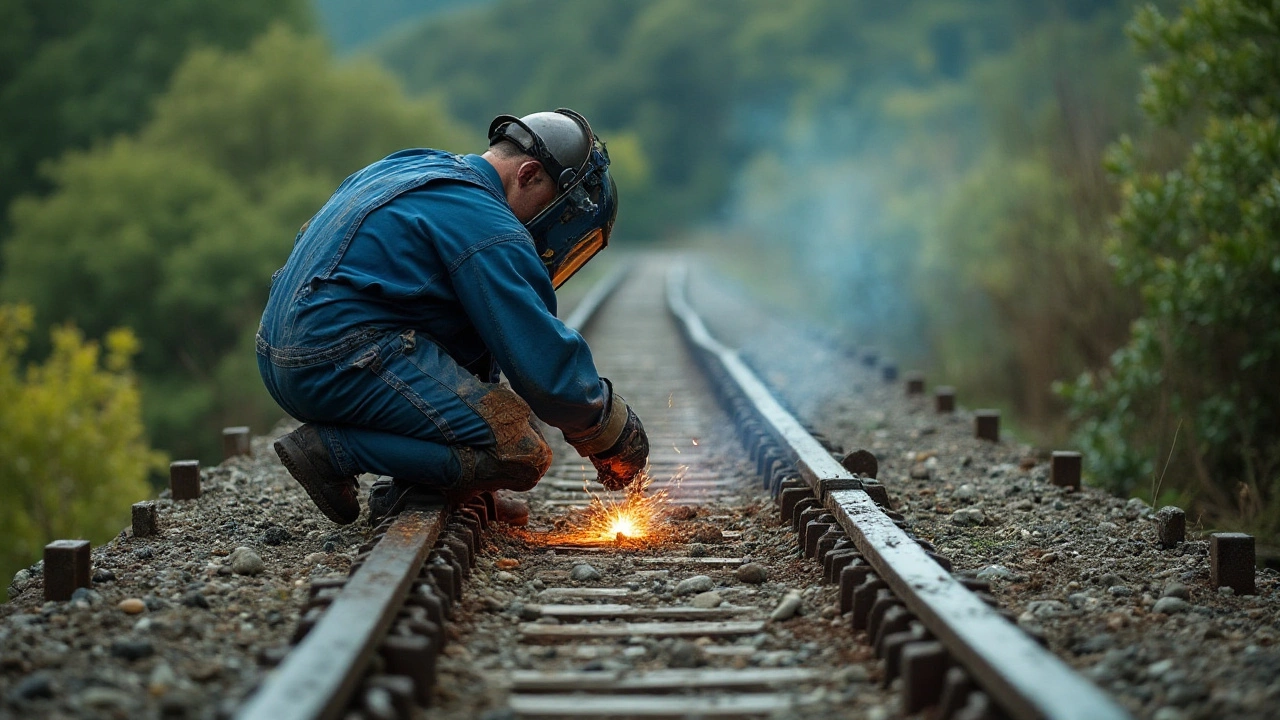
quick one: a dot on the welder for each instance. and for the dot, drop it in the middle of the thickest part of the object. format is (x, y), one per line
(423, 278)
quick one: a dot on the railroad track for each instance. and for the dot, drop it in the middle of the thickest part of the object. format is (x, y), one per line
(552, 622)
(390, 612)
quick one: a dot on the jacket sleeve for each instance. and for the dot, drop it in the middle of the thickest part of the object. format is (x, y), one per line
(505, 291)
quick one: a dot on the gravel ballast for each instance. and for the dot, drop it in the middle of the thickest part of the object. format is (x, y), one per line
(187, 622)
(182, 623)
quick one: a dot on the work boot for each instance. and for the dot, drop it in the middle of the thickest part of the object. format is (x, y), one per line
(306, 457)
(389, 496)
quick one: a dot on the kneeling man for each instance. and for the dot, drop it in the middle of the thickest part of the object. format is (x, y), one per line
(424, 276)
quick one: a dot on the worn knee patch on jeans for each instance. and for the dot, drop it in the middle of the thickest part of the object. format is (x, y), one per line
(521, 452)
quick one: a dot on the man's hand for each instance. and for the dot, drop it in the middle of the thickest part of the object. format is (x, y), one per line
(619, 465)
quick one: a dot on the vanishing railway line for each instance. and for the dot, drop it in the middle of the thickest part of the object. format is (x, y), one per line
(763, 573)
(369, 645)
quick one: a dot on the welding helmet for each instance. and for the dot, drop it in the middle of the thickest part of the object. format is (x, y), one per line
(576, 224)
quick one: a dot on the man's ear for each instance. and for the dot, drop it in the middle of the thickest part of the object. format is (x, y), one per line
(530, 174)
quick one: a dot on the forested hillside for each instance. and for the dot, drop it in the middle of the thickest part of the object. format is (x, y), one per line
(76, 72)
(136, 264)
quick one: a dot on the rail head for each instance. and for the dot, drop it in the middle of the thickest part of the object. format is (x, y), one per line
(319, 676)
(1026, 680)
(811, 459)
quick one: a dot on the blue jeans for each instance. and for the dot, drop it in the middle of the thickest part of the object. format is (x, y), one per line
(385, 402)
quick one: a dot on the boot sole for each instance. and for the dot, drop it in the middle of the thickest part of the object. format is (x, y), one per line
(287, 448)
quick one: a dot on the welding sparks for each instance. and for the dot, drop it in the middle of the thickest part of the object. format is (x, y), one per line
(638, 516)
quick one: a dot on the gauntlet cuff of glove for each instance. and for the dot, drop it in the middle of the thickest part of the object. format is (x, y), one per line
(607, 433)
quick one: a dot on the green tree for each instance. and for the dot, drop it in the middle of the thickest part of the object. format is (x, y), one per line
(1016, 282)
(73, 72)
(73, 453)
(947, 203)
(175, 232)
(1194, 390)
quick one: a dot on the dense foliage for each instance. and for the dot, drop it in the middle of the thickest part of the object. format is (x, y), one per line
(175, 231)
(73, 72)
(1191, 402)
(73, 453)
(1018, 291)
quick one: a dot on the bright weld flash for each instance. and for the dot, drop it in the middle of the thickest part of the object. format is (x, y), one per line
(639, 515)
(623, 525)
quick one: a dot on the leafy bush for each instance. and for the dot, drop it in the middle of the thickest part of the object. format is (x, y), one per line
(1195, 386)
(73, 454)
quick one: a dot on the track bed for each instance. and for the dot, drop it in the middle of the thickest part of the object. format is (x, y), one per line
(774, 582)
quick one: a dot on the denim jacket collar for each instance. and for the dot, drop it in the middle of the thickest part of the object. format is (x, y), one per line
(488, 174)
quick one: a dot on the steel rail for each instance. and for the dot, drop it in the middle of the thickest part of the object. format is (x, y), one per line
(1020, 676)
(319, 676)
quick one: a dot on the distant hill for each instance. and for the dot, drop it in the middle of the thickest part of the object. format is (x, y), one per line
(350, 24)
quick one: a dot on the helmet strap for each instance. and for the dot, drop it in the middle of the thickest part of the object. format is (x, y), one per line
(563, 177)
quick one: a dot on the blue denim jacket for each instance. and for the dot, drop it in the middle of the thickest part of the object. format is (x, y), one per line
(424, 240)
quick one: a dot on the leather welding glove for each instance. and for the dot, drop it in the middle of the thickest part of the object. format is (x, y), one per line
(618, 447)
(617, 466)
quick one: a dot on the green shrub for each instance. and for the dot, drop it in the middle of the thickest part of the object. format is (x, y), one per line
(73, 453)
(1201, 243)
